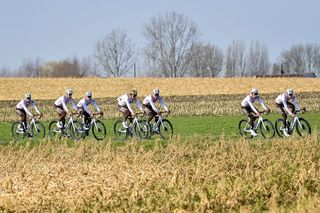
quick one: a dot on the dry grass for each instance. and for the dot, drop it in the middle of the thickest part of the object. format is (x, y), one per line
(51, 88)
(194, 175)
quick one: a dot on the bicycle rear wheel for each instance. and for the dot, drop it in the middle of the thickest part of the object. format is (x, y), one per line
(120, 132)
(142, 129)
(54, 131)
(267, 129)
(279, 126)
(16, 133)
(165, 129)
(38, 130)
(303, 128)
(99, 130)
(244, 128)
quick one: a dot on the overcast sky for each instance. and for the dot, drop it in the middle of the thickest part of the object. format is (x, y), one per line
(57, 29)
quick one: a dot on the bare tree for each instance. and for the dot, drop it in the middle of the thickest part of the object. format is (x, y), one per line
(169, 39)
(258, 59)
(206, 60)
(31, 67)
(115, 53)
(301, 58)
(236, 59)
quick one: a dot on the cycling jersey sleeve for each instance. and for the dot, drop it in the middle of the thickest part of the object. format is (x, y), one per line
(96, 105)
(252, 107)
(262, 104)
(35, 107)
(286, 107)
(128, 105)
(294, 100)
(85, 107)
(138, 104)
(153, 106)
(64, 106)
(163, 104)
(73, 104)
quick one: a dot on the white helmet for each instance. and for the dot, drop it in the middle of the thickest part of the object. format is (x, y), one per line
(254, 91)
(69, 92)
(27, 95)
(156, 91)
(290, 92)
(88, 93)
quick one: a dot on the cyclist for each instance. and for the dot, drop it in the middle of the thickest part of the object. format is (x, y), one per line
(124, 106)
(84, 110)
(284, 106)
(22, 111)
(149, 106)
(251, 111)
(61, 108)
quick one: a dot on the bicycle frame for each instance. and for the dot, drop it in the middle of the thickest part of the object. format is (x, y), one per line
(294, 123)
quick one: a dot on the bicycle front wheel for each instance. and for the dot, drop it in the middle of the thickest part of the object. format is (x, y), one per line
(99, 130)
(165, 129)
(142, 129)
(75, 130)
(38, 130)
(303, 127)
(16, 133)
(244, 128)
(267, 129)
(120, 132)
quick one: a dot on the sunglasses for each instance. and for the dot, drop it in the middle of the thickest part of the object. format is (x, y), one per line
(29, 98)
(156, 94)
(89, 97)
(255, 93)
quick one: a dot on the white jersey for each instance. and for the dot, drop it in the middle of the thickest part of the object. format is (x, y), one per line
(248, 101)
(284, 99)
(126, 100)
(63, 101)
(25, 103)
(85, 103)
(150, 100)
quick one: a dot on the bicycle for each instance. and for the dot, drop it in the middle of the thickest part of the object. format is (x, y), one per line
(34, 129)
(137, 128)
(71, 129)
(302, 126)
(263, 125)
(163, 127)
(97, 127)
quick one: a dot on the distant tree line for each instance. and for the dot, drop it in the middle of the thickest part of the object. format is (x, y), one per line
(173, 49)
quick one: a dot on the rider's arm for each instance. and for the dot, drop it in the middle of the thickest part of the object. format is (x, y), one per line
(73, 104)
(252, 107)
(294, 100)
(85, 107)
(128, 105)
(262, 104)
(163, 104)
(286, 107)
(96, 106)
(35, 107)
(138, 104)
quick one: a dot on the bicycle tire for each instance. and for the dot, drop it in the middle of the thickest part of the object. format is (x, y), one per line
(15, 134)
(267, 127)
(242, 125)
(75, 131)
(142, 129)
(165, 129)
(120, 132)
(99, 128)
(304, 126)
(38, 131)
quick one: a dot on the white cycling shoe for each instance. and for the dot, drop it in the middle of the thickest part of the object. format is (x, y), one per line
(124, 124)
(253, 133)
(285, 133)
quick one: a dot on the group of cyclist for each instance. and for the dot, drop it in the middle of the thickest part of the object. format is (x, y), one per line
(124, 105)
(282, 104)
